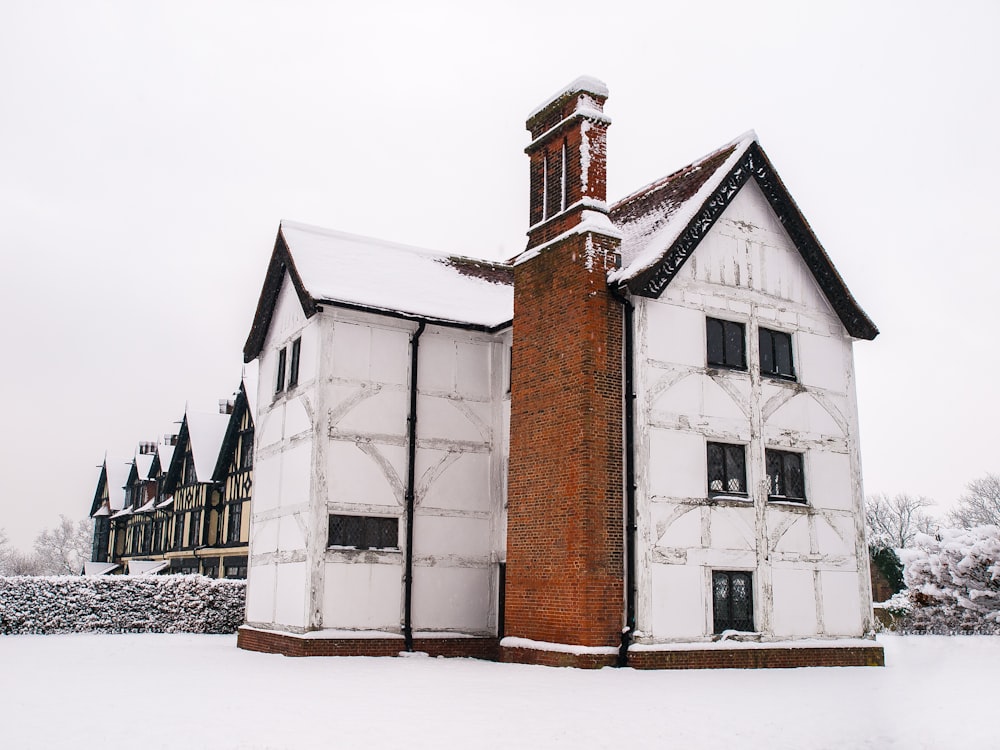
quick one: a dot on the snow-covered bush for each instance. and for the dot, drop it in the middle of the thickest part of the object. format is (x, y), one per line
(120, 604)
(953, 581)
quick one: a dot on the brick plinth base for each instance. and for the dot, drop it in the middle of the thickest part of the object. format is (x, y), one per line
(759, 658)
(556, 658)
(288, 644)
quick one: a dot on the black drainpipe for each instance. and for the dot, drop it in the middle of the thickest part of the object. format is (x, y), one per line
(411, 442)
(630, 583)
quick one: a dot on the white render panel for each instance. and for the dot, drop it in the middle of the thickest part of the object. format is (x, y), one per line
(390, 361)
(795, 536)
(437, 365)
(295, 473)
(451, 598)
(351, 351)
(472, 369)
(732, 528)
(451, 537)
(803, 413)
(297, 418)
(830, 480)
(679, 335)
(265, 535)
(679, 531)
(291, 536)
(365, 473)
(291, 586)
(841, 604)
(266, 477)
(678, 602)
(376, 412)
(821, 360)
(267, 431)
(260, 594)
(362, 596)
(794, 603)
(452, 419)
(678, 467)
(453, 480)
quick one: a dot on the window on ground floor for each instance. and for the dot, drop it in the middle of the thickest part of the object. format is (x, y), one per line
(364, 532)
(732, 600)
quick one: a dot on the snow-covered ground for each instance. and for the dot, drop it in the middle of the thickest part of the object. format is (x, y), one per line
(200, 691)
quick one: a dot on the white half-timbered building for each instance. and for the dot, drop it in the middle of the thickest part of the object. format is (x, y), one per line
(635, 443)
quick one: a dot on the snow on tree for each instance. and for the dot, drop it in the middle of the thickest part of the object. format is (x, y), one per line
(63, 550)
(22, 564)
(5, 551)
(894, 522)
(954, 579)
(980, 505)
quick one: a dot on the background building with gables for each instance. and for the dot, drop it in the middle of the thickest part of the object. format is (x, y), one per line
(181, 505)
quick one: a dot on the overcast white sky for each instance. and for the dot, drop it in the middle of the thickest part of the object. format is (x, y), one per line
(148, 151)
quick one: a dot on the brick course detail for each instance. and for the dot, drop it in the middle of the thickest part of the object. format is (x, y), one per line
(759, 658)
(274, 642)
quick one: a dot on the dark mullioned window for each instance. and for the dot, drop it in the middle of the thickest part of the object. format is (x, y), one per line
(732, 600)
(293, 368)
(193, 528)
(726, 344)
(279, 382)
(784, 476)
(364, 532)
(776, 353)
(727, 469)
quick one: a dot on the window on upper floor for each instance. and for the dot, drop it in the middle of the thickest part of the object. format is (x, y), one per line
(776, 354)
(732, 600)
(727, 469)
(726, 344)
(279, 380)
(246, 449)
(363, 532)
(293, 368)
(786, 480)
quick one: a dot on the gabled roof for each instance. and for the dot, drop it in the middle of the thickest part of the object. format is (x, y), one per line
(204, 431)
(328, 267)
(243, 403)
(114, 473)
(664, 222)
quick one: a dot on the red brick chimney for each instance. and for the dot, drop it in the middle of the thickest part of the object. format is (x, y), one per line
(565, 527)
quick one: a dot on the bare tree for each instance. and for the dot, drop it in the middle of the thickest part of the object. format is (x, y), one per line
(894, 522)
(22, 564)
(5, 551)
(63, 549)
(980, 505)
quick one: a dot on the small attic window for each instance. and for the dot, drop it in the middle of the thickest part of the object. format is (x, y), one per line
(279, 380)
(293, 370)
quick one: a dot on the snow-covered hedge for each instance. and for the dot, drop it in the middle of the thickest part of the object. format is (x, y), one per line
(120, 604)
(953, 582)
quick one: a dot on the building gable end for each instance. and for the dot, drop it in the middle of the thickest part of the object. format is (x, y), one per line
(755, 165)
(280, 263)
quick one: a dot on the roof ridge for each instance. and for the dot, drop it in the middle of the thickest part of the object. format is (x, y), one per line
(368, 239)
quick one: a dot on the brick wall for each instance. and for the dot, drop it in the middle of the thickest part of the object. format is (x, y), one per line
(273, 642)
(759, 658)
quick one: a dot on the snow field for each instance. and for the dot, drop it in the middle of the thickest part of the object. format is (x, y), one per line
(199, 691)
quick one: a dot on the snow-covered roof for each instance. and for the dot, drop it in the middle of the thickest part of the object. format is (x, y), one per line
(147, 508)
(166, 453)
(250, 382)
(143, 463)
(652, 218)
(205, 431)
(166, 503)
(340, 267)
(663, 223)
(123, 513)
(117, 470)
(332, 267)
(98, 568)
(146, 567)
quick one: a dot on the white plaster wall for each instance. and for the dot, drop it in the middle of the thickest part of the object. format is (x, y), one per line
(279, 594)
(365, 471)
(746, 270)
